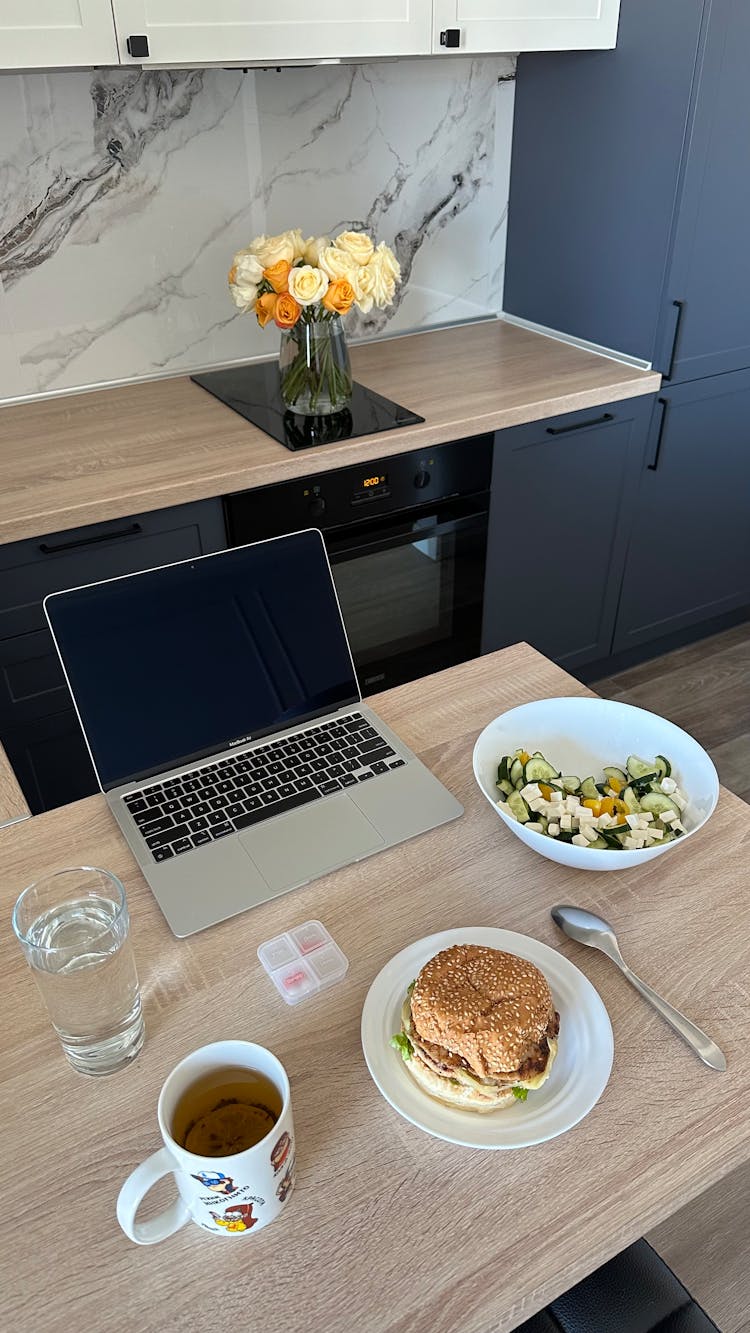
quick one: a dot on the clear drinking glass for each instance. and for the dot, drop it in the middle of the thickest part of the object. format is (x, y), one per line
(73, 927)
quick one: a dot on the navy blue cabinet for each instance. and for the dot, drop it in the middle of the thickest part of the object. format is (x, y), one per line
(38, 725)
(630, 189)
(688, 557)
(563, 492)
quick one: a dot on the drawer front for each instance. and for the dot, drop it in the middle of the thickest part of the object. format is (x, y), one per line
(32, 683)
(31, 569)
(50, 760)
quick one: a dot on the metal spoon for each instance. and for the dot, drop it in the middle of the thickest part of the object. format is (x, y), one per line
(593, 930)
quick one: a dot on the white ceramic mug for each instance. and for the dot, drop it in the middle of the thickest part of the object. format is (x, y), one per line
(228, 1196)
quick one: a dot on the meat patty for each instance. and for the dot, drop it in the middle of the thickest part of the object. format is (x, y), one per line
(444, 1061)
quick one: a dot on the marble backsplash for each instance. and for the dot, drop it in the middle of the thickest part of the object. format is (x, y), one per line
(123, 195)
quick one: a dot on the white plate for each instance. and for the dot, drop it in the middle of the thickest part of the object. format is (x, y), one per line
(579, 1074)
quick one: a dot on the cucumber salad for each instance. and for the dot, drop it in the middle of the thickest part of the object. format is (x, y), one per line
(638, 806)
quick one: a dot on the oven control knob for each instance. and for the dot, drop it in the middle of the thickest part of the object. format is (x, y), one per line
(422, 479)
(317, 506)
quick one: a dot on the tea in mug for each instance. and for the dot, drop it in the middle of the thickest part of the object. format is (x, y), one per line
(225, 1112)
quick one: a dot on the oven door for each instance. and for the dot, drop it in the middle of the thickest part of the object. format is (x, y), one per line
(411, 587)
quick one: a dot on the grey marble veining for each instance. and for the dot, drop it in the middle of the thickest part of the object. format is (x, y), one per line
(123, 195)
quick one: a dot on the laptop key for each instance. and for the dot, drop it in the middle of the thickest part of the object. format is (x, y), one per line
(255, 803)
(278, 808)
(199, 839)
(190, 784)
(221, 830)
(349, 752)
(348, 780)
(286, 789)
(234, 810)
(270, 797)
(225, 785)
(155, 799)
(336, 770)
(190, 798)
(183, 845)
(380, 766)
(170, 835)
(398, 763)
(362, 777)
(197, 825)
(202, 808)
(216, 817)
(157, 825)
(302, 770)
(351, 765)
(162, 853)
(327, 787)
(169, 807)
(219, 802)
(303, 784)
(135, 804)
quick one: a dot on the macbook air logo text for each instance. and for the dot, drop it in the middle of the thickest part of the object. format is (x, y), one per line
(240, 741)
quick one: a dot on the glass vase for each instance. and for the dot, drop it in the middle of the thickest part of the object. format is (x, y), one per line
(314, 369)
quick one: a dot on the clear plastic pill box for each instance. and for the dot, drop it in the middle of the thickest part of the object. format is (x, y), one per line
(303, 961)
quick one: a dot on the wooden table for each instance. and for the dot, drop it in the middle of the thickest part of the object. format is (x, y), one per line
(388, 1229)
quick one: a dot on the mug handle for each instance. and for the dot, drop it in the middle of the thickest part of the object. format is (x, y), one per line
(133, 1192)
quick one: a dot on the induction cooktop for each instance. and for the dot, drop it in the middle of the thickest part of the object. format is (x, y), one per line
(253, 391)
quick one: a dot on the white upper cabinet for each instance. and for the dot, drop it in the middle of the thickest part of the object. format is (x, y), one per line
(524, 25)
(49, 33)
(227, 32)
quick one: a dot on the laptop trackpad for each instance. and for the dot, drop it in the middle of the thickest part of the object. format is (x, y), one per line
(307, 842)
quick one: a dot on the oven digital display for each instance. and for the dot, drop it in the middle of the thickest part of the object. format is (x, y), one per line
(374, 481)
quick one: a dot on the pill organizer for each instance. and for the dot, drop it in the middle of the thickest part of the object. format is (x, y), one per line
(303, 961)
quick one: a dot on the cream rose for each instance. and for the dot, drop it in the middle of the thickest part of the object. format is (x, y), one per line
(338, 264)
(388, 261)
(246, 268)
(314, 247)
(363, 283)
(244, 295)
(383, 281)
(356, 244)
(270, 249)
(307, 284)
(296, 239)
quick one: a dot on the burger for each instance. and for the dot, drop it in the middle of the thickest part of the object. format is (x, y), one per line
(478, 1028)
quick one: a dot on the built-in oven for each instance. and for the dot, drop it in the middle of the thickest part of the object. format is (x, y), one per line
(407, 538)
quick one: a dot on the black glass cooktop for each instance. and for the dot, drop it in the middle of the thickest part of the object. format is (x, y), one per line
(253, 391)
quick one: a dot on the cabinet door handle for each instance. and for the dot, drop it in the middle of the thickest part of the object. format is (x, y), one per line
(581, 425)
(450, 37)
(680, 307)
(653, 465)
(137, 46)
(130, 531)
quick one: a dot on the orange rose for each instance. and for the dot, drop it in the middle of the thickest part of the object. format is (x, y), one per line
(232, 274)
(278, 275)
(287, 311)
(265, 308)
(339, 297)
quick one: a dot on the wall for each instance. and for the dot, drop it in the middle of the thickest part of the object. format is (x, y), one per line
(123, 195)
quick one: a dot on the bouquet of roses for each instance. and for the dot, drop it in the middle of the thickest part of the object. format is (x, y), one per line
(286, 278)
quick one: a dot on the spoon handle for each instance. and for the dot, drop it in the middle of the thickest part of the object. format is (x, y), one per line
(701, 1043)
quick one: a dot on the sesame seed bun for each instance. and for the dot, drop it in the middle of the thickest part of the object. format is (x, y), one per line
(480, 1021)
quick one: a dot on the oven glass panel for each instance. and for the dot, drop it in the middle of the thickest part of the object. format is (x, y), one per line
(412, 603)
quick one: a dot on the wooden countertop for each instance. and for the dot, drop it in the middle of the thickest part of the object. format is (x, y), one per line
(388, 1229)
(82, 459)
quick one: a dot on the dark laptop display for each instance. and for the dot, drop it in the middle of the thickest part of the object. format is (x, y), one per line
(181, 662)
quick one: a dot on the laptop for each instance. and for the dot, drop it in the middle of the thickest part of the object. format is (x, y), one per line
(220, 705)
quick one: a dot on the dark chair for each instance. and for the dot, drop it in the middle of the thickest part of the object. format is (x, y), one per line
(634, 1293)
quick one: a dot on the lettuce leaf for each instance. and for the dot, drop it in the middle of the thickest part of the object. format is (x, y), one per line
(400, 1042)
(520, 1093)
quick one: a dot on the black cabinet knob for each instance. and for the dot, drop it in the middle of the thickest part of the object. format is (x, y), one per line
(422, 479)
(317, 506)
(450, 37)
(137, 47)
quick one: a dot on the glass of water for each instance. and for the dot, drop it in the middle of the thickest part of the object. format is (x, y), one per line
(73, 927)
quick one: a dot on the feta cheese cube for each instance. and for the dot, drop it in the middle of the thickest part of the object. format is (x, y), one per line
(566, 822)
(668, 785)
(678, 826)
(679, 801)
(655, 833)
(571, 804)
(531, 791)
(647, 816)
(538, 804)
(632, 820)
(585, 814)
(669, 817)
(553, 830)
(579, 841)
(588, 833)
(536, 827)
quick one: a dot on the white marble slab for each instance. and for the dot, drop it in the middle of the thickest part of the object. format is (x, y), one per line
(123, 196)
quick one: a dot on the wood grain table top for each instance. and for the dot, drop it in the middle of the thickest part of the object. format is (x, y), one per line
(89, 457)
(12, 800)
(388, 1229)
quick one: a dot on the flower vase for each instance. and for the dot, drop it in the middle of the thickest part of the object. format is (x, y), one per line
(314, 369)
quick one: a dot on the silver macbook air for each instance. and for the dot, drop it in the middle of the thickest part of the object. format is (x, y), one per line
(221, 709)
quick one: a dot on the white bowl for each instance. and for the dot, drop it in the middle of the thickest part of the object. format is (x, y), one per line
(581, 736)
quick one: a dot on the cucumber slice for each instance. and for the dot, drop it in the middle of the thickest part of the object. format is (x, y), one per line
(538, 770)
(631, 801)
(518, 807)
(571, 783)
(516, 772)
(602, 788)
(506, 787)
(600, 843)
(658, 803)
(616, 773)
(663, 766)
(503, 768)
(610, 838)
(589, 790)
(646, 783)
(638, 768)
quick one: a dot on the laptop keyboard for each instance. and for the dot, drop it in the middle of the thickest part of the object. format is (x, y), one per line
(211, 802)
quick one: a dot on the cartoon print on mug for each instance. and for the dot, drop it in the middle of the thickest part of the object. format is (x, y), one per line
(216, 1181)
(286, 1184)
(239, 1217)
(281, 1152)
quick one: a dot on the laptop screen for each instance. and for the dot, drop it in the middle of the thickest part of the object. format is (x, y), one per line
(177, 663)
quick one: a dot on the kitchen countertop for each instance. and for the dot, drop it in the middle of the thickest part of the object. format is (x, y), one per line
(388, 1229)
(89, 457)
